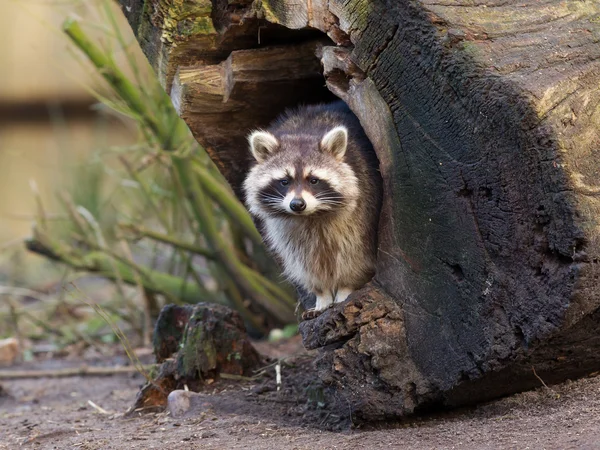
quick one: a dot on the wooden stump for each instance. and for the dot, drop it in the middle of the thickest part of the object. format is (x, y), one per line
(485, 118)
(195, 345)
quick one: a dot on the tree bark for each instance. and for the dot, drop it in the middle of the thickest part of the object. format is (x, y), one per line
(485, 117)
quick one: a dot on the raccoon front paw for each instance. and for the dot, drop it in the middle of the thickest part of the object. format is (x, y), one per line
(311, 314)
(323, 302)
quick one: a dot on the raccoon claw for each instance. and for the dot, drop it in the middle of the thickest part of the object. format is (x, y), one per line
(311, 314)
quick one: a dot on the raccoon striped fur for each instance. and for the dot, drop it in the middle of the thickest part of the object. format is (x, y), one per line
(317, 189)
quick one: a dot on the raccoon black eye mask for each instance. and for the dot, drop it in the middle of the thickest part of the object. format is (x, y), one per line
(317, 189)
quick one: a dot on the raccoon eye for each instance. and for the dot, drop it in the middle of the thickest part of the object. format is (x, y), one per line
(284, 182)
(314, 180)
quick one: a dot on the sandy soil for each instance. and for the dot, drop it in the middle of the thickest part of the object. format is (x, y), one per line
(55, 414)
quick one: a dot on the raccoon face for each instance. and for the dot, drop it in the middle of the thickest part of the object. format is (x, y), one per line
(300, 175)
(299, 190)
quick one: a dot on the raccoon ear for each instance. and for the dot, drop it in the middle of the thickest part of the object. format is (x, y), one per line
(262, 144)
(336, 142)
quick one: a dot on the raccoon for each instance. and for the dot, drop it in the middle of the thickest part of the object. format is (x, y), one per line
(316, 187)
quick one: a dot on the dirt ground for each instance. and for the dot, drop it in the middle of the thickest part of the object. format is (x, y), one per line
(54, 413)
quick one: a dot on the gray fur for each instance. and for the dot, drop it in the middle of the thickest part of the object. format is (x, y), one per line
(330, 247)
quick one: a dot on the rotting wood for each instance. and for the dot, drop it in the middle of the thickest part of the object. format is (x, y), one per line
(485, 118)
(196, 345)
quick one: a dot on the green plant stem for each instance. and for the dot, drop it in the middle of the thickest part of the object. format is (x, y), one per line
(125, 88)
(238, 302)
(166, 239)
(226, 200)
(146, 192)
(94, 240)
(271, 286)
(99, 262)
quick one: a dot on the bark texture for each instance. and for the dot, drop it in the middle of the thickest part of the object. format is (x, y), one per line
(485, 117)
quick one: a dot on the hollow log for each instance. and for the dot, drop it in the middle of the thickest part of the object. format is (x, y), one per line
(485, 117)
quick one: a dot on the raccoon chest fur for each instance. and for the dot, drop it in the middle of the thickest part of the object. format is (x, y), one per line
(322, 257)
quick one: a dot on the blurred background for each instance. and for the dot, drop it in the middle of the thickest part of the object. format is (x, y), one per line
(50, 127)
(98, 223)
(48, 122)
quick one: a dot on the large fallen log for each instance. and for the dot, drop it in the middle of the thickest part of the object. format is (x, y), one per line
(485, 117)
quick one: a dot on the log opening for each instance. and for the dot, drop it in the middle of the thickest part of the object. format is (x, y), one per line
(223, 102)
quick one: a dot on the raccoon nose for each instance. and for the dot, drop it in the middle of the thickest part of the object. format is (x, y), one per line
(297, 204)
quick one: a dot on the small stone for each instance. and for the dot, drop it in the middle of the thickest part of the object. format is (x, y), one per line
(179, 402)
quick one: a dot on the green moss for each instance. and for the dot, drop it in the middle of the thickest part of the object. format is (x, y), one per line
(183, 19)
(198, 354)
(182, 9)
(267, 11)
(210, 352)
(196, 26)
(358, 11)
(186, 352)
